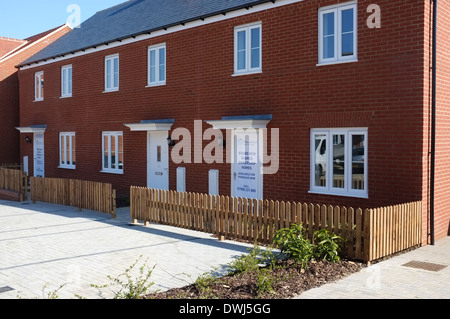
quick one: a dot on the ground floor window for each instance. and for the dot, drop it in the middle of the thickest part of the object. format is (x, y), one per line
(67, 154)
(112, 149)
(339, 161)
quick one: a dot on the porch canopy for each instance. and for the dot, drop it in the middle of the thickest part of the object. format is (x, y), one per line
(151, 125)
(32, 129)
(241, 122)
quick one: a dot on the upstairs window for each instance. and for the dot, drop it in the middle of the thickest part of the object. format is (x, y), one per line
(247, 49)
(66, 81)
(112, 152)
(67, 156)
(157, 65)
(112, 73)
(338, 33)
(39, 86)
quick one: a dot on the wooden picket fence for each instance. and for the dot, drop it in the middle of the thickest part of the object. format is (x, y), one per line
(76, 193)
(13, 182)
(368, 234)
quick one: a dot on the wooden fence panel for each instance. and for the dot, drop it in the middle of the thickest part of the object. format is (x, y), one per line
(368, 234)
(14, 180)
(77, 193)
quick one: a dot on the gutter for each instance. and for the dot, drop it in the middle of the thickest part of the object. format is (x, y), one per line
(433, 120)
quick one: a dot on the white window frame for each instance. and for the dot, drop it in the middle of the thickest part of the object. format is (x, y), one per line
(39, 86)
(337, 11)
(158, 81)
(328, 189)
(248, 52)
(110, 77)
(66, 81)
(109, 169)
(68, 150)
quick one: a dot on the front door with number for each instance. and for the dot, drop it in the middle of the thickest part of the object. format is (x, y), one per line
(246, 172)
(158, 160)
(38, 154)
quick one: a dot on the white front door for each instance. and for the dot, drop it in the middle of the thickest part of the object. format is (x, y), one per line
(158, 160)
(246, 177)
(38, 154)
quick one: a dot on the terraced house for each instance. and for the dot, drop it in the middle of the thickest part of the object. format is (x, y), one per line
(12, 53)
(323, 101)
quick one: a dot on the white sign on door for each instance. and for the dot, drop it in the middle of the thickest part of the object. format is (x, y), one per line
(39, 158)
(246, 173)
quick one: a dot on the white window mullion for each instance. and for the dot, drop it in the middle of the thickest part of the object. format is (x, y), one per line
(70, 150)
(109, 153)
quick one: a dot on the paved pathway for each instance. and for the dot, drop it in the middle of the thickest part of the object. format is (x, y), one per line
(392, 279)
(45, 246)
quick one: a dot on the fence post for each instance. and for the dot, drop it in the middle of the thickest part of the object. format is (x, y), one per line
(114, 205)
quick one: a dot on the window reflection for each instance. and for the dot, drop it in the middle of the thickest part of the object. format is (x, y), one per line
(358, 157)
(320, 160)
(338, 160)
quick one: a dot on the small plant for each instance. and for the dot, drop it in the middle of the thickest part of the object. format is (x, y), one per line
(131, 289)
(247, 262)
(327, 245)
(203, 285)
(292, 243)
(264, 281)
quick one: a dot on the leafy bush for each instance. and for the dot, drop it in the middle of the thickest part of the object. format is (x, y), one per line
(292, 242)
(327, 245)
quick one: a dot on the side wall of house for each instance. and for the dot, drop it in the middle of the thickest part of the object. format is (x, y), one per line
(9, 101)
(442, 149)
(382, 91)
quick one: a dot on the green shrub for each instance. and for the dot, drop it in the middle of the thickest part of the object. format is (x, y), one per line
(292, 243)
(327, 245)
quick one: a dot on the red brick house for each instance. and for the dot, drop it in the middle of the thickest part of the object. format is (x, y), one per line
(340, 90)
(12, 53)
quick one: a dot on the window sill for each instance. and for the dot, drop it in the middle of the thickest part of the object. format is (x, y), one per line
(111, 90)
(247, 73)
(112, 172)
(155, 84)
(65, 97)
(39, 100)
(336, 62)
(67, 167)
(364, 196)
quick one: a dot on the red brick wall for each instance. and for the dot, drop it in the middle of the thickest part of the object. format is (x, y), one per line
(9, 101)
(442, 171)
(382, 91)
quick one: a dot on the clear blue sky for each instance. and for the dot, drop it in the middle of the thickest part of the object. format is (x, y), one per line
(21, 19)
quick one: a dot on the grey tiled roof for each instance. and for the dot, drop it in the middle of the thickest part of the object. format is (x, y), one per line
(136, 17)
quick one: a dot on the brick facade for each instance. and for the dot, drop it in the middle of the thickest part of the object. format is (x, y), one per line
(9, 87)
(386, 91)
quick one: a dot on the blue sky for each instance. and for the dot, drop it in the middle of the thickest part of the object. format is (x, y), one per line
(21, 19)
